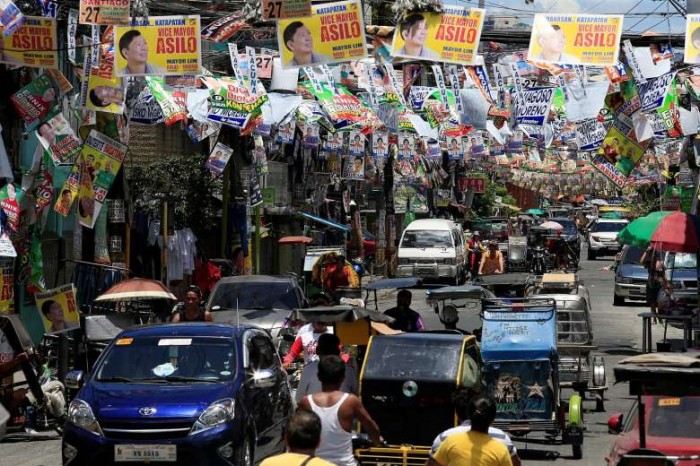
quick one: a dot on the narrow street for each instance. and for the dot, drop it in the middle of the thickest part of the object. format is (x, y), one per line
(617, 332)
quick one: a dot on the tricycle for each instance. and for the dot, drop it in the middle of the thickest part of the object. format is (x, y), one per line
(521, 370)
(515, 284)
(450, 301)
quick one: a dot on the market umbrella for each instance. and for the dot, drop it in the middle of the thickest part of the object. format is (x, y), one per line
(551, 226)
(137, 289)
(638, 232)
(677, 232)
(534, 212)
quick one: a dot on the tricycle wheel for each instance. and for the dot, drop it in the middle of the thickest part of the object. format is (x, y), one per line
(575, 411)
(577, 450)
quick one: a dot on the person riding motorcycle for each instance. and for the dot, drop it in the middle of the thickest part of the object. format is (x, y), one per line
(492, 261)
(476, 250)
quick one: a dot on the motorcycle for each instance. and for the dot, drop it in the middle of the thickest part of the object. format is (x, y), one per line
(538, 261)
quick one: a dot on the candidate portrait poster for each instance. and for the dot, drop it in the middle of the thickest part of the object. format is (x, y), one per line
(58, 309)
(105, 94)
(33, 44)
(692, 39)
(217, 160)
(158, 46)
(104, 11)
(11, 18)
(335, 32)
(451, 36)
(37, 100)
(58, 139)
(569, 39)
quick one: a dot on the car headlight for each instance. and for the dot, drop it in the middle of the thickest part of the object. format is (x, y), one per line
(80, 414)
(626, 281)
(217, 413)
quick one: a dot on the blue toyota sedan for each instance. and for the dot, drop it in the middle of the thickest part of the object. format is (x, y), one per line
(187, 393)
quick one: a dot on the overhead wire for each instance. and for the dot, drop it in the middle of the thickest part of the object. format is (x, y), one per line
(643, 19)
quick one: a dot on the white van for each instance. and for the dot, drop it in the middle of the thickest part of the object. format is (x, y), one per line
(432, 249)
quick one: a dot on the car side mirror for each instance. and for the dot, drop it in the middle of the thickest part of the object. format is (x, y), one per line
(74, 380)
(264, 378)
(615, 423)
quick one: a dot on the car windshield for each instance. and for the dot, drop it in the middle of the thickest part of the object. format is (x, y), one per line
(675, 417)
(680, 260)
(608, 227)
(255, 295)
(492, 227)
(569, 226)
(413, 359)
(632, 255)
(426, 239)
(169, 359)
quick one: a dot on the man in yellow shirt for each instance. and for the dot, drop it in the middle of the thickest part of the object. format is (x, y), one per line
(476, 447)
(302, 435)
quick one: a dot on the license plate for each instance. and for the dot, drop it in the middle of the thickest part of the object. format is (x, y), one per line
(150, 453)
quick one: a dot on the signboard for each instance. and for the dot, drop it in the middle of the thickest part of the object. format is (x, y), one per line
(451, 36)
(158, 46)
(475, 183)
(283, 9)
(532, 106)
(104, 11)
(334, 33)
(58, 309)
(571, 39)
(33, 44)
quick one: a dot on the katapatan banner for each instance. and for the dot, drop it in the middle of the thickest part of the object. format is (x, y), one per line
(33, 44)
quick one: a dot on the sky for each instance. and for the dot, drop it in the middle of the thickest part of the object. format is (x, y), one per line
(640, 15)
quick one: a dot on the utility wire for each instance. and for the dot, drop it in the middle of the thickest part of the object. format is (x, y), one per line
(642, 20)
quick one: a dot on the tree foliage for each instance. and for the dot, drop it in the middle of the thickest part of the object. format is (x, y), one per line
(484, 205)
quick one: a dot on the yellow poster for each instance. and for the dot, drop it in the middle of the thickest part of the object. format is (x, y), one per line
(34, 44)
(565, 39)
(58, 309)
(692, 39)
(158, 46)
(105, 94)
(451, 36)
(335, 32)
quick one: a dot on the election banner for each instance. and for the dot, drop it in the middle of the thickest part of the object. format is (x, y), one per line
(572, 39)
(653, 91)
(279, 9)
(36, 100)
(11, 18)
(104, 11)
(219, 157)
(58, 139)
(172, 104)
(58, 309)
(621, 151)
(102, 158)
(692, 39)
(105, 94)
(10, 197)
(334, 33)
(147, 111)
(341, 106)
(69, 190)
(532, 106)
(33, 44)
(71, 32)
(451, 36)
(222, 29)
(608, 169)
(233, 104)
(158, 46)
(590, 134)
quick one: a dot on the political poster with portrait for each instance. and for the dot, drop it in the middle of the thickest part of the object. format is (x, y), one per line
(407, 146)
(58, 139)
(36, 100)
(572, 39)
(285, 132)
(310, 134)
(158, 46)
(334, 33)
(33, 44)
(217, 160)
(69, 189)
(354, 168)
(58, 309)
(102, 158)
(451, 36)
(380, 144)
(455, 149)
(692, 39)
(621, 151)
(105, 94)
(356, 143)
(11, 18)
(10, 197)
(477, 149)
(334, 142)
(104, 11)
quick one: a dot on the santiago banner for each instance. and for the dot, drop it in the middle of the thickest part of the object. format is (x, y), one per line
(531, 106)
(158, 46)
(451, 36)
(104, 11)
(33, 44)
(334, 33)
(592, 40)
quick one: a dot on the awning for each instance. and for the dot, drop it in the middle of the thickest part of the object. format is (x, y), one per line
(326, 222)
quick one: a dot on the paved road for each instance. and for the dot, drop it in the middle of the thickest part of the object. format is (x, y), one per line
(617, 332)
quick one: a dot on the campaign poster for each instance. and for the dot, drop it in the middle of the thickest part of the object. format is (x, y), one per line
(476, 146)
(10, 197)
(58, 309)
(283, 9)
(233, 104)
(334, 142)
(455, 150)
(532, 106)
(158, 46)
(104, 11)
(36, 100)
(58, 139)
(692, 39)
(11, 18)
(653, 91)
(33, 44)
(334, 33)
(285, 132)
(621, 151)
(341, 106)
(219, 157)
(172, 104)
(69, 190)
(224, 28)
(147, 111)
(354, 168)
(102, 158)
(260, 156)
(590, 134)
(407, 146)
(571, 39)
(451, 36)
(380, 144)
(310, 134)
(105, 94)
(608, 169)
(356, 143)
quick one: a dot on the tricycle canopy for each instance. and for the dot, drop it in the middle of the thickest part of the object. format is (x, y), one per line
(335, 314)
(660, 374)
(458, 292)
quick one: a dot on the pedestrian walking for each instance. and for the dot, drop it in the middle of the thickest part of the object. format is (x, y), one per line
(656, 280)
(328, 345)
(337, 411)
(302, 436)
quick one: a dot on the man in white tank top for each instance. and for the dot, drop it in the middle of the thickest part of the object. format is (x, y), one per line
(337, 411)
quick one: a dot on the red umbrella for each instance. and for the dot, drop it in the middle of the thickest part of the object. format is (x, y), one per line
(137, 289)
(677, 232)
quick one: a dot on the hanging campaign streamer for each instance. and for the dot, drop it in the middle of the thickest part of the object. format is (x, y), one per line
(451, 36)
(329, 77)
(158, 46)
(235, 65)
(334, 33)
(33, 44)
(219, 157)
(572, 39)
(58, 139)
(87, 69)
(368, 71)
(95, 43)
(104, 11)
(692, 39)
(224, 28)
(503, 98)
(71, 32)
(394, 83)
(633, 61)
(58, 309)
(517, 81)
(532, 106)
(252, 70)
(454, 81)
(233, 104)
(283, 9)
(440, 81)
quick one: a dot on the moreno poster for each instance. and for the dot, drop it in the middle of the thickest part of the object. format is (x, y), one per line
(33, 44)
(653, 91)
(104, 11)
(532, 106)
(58, 139)
(335, 32)
(590, 134)
(571, 39)
(451, 36)
(692, 39)
(58, 309)
(158, 46)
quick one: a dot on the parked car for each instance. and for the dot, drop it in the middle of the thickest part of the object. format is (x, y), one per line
(682, 273)
(602, 237)
(672, 427)
(186, 393)
(432, 249)
(570, 232)
(630, 276)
